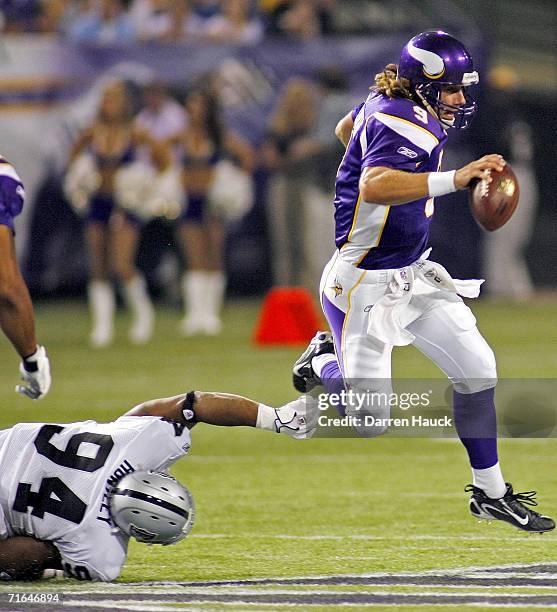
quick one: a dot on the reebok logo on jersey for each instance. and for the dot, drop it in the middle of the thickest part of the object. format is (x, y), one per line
(408, 152)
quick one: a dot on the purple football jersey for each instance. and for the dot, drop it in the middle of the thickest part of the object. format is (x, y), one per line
(12, 194)
(393, 133)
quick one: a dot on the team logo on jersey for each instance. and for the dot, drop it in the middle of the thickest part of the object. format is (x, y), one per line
(408, 152)
(337, 288)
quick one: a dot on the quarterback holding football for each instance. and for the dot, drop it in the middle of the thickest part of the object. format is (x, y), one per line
(72, 495)
(381, 290)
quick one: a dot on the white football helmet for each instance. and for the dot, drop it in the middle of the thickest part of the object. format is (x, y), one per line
(152, 507)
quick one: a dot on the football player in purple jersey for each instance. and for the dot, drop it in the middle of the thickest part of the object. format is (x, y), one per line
(380, 290)
(17, 318)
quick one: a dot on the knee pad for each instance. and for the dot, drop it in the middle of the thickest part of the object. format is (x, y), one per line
(481, 376)
(477, 365)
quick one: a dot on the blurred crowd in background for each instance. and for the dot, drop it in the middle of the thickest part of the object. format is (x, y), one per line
(122, 21)
(212, 171)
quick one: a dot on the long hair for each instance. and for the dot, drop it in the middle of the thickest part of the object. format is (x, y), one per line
(118, 88)
(213, 120)
(296, 108)
(387, 83)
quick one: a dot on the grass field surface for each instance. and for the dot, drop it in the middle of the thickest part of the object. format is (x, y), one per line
(269, 507)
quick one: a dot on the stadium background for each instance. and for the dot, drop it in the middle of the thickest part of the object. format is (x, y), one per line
(267, 506)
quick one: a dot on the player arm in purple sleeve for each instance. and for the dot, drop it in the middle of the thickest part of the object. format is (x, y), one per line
(26, 558)
(222, 409)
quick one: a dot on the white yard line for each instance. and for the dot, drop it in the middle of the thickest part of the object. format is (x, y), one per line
(288, 536)
(169, 605)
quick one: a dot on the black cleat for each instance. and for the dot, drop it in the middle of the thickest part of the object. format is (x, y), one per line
(303, 376)
(511, 508)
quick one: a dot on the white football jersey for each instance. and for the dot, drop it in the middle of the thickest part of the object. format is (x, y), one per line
(54, 481)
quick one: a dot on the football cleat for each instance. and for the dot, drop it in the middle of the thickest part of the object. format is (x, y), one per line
(511, 508)
(303, 376)
(298, 419)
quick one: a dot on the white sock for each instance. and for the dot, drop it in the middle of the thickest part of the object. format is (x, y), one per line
(102, 305)
(320, 361)
(216, 282)
(195, 292)
(135, 291)
(138, 301)
(490, 481)
(266, 418)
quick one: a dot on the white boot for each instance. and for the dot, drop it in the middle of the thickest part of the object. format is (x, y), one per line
(216, 284)
(195, 293)
(101, 305)
(138, 301)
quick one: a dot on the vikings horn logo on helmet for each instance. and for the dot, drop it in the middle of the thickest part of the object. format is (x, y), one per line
(433, 64)
(432, 61)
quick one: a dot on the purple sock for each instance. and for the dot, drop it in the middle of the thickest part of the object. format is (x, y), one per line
(476, 424)
(333, 382)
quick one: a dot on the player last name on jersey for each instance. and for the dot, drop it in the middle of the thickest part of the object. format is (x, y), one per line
(369, 420)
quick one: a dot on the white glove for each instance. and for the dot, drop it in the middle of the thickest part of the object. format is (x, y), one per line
(35, 374)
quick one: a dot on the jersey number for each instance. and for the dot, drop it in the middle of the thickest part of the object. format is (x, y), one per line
(53, 496)
(80, 572)
(65, 503)
(420, 113)
(69, 457)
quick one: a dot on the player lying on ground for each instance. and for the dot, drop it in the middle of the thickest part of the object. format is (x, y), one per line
(59, 493)
(380, 290)
(17, 318)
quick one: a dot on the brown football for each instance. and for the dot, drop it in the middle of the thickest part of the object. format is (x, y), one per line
(493, 204)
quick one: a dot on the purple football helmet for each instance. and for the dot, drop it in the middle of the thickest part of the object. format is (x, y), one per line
(435, 60)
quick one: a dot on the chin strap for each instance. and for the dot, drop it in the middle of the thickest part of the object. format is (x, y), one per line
(444, 122)
(427, 105)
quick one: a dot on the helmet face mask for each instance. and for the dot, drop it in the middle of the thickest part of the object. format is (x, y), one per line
(431, 94)
(152, 507)
(433, 61)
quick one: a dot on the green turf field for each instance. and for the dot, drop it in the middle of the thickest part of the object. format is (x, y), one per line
(269, 506)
